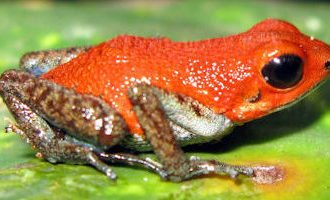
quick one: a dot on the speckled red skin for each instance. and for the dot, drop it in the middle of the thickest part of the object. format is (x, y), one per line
(222, 73)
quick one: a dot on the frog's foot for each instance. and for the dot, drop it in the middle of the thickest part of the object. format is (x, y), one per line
(204, 167)
(40, 62)
(133, 160)
(157, 129)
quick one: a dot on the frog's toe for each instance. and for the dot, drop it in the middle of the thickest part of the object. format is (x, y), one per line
(247, 171)
(11, 127)
(234, 171)
(203, 167)
(93, 160)
(111, 174)
(233, 174)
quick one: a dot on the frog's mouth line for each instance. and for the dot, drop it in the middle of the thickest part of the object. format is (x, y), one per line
(298, 99)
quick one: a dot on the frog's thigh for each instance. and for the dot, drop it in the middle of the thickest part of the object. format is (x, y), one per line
(161, 137)
(64, 108)
(40, 62)
(53, 145)
(82, 116)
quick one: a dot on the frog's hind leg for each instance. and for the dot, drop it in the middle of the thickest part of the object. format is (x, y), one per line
(38, 106)
(54, 146)
(158, 131)
(40, 62)
(51, 143)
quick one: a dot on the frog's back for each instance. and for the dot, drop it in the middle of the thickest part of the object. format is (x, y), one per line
(110, 68)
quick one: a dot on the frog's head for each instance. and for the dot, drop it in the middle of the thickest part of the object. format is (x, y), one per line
(287, 65)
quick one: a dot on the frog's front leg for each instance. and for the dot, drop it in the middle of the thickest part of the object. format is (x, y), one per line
(158, 131)
(40, 62)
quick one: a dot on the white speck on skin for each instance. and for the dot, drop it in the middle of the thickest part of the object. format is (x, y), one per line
(98, 124)
(135, 90)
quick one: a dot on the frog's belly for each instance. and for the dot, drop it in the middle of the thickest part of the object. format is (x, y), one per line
(191, 122)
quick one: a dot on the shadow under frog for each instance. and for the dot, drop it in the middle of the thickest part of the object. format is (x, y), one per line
(276, 125)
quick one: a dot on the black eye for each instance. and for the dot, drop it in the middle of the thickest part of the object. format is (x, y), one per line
(327, 65)
(284, 71)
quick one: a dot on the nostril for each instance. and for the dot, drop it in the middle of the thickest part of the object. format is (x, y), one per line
(327, 65)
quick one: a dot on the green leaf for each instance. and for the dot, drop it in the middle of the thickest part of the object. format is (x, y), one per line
(296, 139)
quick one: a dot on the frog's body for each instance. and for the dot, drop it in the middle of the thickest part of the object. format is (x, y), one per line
(186, 92)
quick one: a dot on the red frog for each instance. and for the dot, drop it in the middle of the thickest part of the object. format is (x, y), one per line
(73, 104)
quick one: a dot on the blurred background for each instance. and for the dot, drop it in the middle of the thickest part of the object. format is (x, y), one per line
(33, 25)
(297, 139)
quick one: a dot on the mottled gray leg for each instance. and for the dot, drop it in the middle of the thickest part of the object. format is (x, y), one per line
(158, 132)
(52, 145)
(40, 62)
(133, 160)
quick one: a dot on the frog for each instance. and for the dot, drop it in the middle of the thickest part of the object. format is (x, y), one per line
(75, 105)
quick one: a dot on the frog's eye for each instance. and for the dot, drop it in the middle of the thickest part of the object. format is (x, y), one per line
(327, 65)
(284, 71)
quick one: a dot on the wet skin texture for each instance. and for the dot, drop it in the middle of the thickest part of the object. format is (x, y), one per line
(74, 104)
